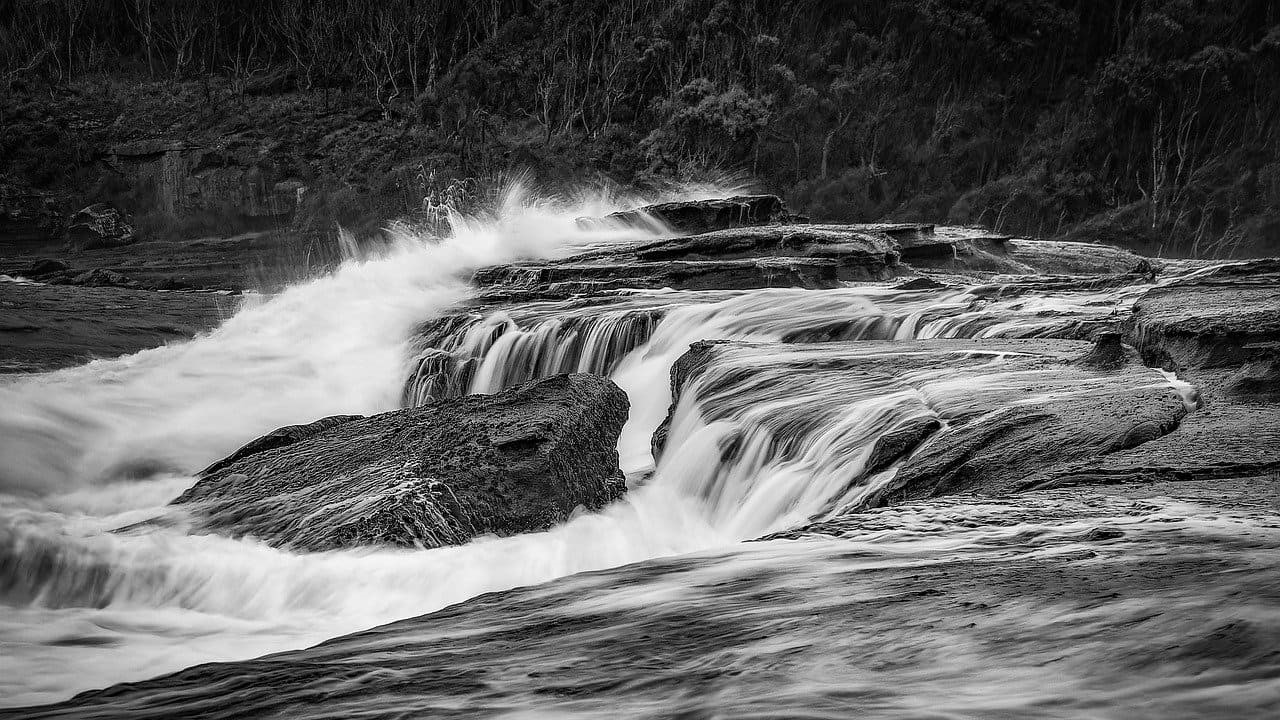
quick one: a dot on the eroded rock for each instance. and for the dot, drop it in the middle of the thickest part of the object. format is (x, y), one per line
(518, 461)
(1225, 318)
(699, 216)
(99, 226)
(809, 256)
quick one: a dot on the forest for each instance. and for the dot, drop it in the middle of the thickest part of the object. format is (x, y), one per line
(1150, 123)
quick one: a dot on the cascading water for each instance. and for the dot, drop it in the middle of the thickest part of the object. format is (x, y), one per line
(92, 451)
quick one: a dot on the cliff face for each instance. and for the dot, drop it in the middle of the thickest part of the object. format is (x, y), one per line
(186, 160)
(224, 174)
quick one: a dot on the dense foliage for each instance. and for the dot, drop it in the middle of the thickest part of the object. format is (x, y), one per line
(1150, 122)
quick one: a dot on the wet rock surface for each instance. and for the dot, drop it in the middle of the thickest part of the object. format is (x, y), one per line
(812, 256)
(518, 461)
(699, 216)
(1218, 320)
(804, 255)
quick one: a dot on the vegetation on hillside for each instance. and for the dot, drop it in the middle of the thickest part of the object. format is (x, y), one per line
(1153, 123)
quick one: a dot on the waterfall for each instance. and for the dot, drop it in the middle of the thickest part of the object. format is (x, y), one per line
(103, 585)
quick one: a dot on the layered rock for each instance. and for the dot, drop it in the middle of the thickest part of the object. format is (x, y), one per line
(807, 256)
(1218, 328)
(518, 461)
(1222, 317)
(810, 256)
(699, 216)
(988, 416)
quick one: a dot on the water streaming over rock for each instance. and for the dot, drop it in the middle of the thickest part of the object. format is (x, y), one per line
(91, 597)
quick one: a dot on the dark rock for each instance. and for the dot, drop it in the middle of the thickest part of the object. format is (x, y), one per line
(1146, 268)
(900, 442)
(98, 277)
(699, 216)
(278, 438)
(686, 367)
(518, 461)
(966, 250)
(1258, 379)
(919, 283)
(1102, 534)
(1072, 258)
(1217, 322)
(1108, 352)
(45, 267)
(99, 226)
(810, 256)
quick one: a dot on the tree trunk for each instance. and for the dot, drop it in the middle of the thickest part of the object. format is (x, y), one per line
(826, 152)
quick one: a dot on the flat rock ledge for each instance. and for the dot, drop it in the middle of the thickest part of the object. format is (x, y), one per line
(518, 461)
(752, 242)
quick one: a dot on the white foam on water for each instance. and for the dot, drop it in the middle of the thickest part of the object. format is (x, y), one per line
(94, 448)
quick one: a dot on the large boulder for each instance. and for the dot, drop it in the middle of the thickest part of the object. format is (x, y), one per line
(99, 226)
(519, 461)
(699, 216)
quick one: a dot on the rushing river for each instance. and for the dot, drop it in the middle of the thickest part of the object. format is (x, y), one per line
(90, 451)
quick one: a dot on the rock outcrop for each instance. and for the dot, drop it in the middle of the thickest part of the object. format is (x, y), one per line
(806, 256)
(99, 226)
(699, 216)
(1226, 316)
(518, 461)
(810, 256)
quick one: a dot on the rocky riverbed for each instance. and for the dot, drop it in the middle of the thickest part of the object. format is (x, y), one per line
(891, 470)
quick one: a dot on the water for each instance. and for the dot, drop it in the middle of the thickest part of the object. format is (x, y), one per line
(1057, 605)
(94, 449)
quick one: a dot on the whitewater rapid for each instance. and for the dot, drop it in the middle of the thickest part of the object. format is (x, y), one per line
(93, 449)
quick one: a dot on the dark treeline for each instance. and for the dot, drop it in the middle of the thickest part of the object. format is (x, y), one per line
(1151, 122)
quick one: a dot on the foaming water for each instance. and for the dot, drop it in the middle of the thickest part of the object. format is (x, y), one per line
(335, 344)
(1054, 605)
(95, 449)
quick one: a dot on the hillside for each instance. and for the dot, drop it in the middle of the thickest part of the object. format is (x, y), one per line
(1150, 123)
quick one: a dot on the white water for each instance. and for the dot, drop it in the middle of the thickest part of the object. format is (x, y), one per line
(91, 449)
